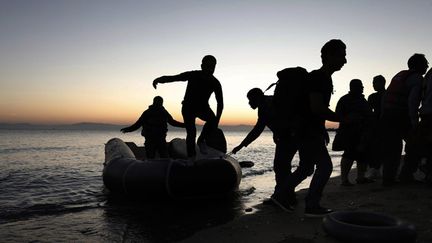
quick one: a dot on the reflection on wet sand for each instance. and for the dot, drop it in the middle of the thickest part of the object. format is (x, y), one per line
(137, 220)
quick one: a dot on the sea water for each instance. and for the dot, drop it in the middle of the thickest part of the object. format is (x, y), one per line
(51, 190)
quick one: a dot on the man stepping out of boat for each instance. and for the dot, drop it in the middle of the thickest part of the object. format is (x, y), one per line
(201, 84)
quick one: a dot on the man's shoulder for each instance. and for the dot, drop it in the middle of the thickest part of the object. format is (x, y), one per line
(344, 99)
(316, 73)
(268, 97)
(268, 101)
(318, 76)
(373, 96)
(346, 96)
(189, 74)
(415, 77)
(319, 81)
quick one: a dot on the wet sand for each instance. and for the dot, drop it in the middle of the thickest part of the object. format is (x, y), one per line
(241, 219)
(267, 223)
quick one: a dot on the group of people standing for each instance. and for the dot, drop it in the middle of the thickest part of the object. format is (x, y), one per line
(370, 132)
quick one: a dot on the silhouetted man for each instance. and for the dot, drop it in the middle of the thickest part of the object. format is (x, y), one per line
(312, 145)
(424, 132)
(399, 115)
(375, 99)
(375, 102)
(257, 99)
(356, 114)
(154, 128)
(201, 84)
(283, 153)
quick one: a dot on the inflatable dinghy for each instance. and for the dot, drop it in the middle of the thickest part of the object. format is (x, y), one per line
(211, 175)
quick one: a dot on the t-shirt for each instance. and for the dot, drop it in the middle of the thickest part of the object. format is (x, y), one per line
(265, 113)
(375, 102)
(199, 88)
(353, 104)
(265, 118)
(154, 122)
(322, 83)
(403, 95)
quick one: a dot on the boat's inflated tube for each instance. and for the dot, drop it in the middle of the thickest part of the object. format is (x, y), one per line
(368, 227)
(174, 178)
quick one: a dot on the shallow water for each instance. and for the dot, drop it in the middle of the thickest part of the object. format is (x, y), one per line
(51, 190)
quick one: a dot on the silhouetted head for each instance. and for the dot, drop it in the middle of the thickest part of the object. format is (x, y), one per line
(356, 86)
(208, 64)
(418, 62)
(333, 54)
(378, 83)
(255, 97)
(157, 101)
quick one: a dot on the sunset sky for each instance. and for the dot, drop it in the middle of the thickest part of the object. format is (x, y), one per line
(94, 61)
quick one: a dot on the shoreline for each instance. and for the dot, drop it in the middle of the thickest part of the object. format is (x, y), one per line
(267, 223)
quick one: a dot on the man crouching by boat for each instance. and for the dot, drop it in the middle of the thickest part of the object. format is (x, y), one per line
(154, 128)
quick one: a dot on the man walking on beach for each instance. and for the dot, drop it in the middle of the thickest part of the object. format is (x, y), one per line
(312, 145)
(283, 153)
(154, 128)
(399, 115)
(201, 84)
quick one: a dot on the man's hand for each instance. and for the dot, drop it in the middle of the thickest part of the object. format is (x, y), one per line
(155, 82)
(236, 149)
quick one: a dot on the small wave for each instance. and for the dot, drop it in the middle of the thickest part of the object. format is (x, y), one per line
(252, 173)
(11, 214)
(34, 149)
(4, 177)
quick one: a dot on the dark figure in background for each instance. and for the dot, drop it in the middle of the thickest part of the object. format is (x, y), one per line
(375, 102)
(312, 144)
(423, 139)
(201, 84)
(399, 115)
(375, 99)
(355, 116)
(283, 154)
(154, 128)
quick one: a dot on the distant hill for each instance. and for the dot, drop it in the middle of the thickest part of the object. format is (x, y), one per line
(76, 126)
(96, 126)
(104, 126)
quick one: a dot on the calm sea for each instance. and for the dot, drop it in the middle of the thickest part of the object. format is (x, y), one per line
(51, 190)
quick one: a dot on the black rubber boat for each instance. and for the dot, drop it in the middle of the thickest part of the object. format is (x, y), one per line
(212, 175)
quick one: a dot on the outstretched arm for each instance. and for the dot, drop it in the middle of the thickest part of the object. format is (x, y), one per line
(170, 79)
(173, 122)
(252, 135)
(134, 126)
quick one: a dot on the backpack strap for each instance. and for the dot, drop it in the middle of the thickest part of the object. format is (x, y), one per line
(271, 85)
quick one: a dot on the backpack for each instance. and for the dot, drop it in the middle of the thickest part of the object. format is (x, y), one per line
(290, 100)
